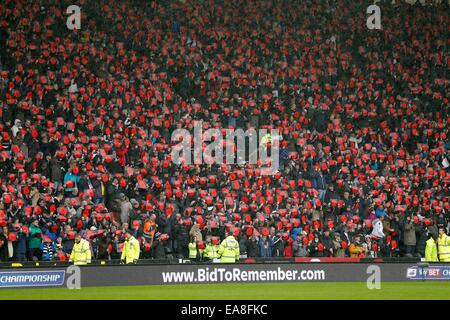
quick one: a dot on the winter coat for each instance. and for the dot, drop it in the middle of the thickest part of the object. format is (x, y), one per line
(339, 252)
(409, 235)
(34, 240)
(195, 232)
(252, 248)
(71, 177)
(299, 249)
(355, 249)
(265, 247)
(278, 247)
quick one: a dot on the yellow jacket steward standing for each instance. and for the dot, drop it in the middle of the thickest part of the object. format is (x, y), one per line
(81, 252)
(431, 251)
(192, 246)
(444, 248)
(211, 251)
(229, 249)
(131, 249)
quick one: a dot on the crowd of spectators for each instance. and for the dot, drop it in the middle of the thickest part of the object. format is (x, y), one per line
(86, 118)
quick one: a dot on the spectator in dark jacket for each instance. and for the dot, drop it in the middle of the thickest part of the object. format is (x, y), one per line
(409, 234)
(265, 245)
(327, 242)
(21, 246)
(252, 247)
(299, 247)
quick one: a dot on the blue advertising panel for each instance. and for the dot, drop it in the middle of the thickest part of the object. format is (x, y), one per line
(429, 273)
(31, 278)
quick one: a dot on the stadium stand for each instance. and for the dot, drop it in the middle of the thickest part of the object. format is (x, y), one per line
(87, 117)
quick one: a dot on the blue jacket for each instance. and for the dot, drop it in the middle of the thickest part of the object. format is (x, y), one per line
(380, 213)
(71, 177)
(265, 247)
(21, 244)
(48, 251)
(295, 232)
(51, 235)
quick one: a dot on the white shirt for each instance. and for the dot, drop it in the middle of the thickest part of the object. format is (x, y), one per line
(378, 228)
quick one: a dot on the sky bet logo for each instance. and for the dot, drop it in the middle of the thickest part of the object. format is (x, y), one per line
(432, 273)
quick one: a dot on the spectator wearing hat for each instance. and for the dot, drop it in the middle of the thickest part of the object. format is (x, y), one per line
(159, 246)
(339, 246)
(252, 246)
(299, 247)
(357, 248)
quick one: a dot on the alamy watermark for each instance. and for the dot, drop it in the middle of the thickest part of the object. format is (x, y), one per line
(227, 146)
(374, 279)
(73, 277)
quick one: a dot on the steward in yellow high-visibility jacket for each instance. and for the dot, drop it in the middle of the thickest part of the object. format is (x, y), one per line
(211, 249)
(267, 138)
(229, 249)
(192, 246)
(431, 250)
(81, 252)
(131, 249)
(443, 246)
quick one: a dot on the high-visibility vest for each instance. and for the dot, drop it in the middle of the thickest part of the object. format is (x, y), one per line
(211, 252)
(81, 253)
(444, 248)
(131, 250)
(229, 250)
(267, 138)
(431, 251)
(192, 250)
